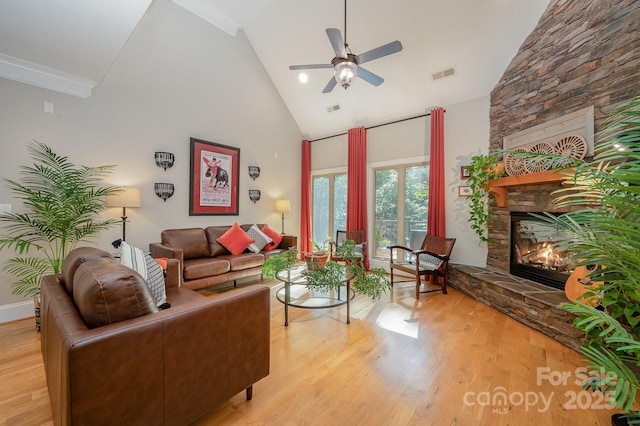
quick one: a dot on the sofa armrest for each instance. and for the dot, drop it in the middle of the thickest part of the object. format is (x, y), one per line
(231, 332)
(288, 241)
(173, 276)
(160, 250)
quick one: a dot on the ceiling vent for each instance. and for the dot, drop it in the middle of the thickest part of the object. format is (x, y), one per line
(333, 108)
(449, 72)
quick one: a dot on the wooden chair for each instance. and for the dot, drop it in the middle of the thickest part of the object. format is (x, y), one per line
(431, 260)
(357, 237)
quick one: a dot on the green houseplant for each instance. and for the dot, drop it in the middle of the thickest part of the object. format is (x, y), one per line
(279, 262)
(372, 283)
(319, 256)
(603, 229)
(483, 169)
(62, 204)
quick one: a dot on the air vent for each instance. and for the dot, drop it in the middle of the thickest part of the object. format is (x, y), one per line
(333, 108)
(449, 72)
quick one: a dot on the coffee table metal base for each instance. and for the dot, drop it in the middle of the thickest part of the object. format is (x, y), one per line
(299, 296)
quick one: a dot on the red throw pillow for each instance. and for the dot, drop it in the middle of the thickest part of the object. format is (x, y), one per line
(274, 235)
(163, 262)
(235, 239)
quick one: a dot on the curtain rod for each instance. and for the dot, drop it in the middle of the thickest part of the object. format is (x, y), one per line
(377, 125)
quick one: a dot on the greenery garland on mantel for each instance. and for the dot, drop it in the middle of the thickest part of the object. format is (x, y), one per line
(484, 168)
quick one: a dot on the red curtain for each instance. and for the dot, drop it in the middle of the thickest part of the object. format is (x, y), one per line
(357, 183)
(435, 213)
(305, 198)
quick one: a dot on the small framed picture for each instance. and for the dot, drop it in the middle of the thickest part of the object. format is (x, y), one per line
(464, 191)
(465, 172)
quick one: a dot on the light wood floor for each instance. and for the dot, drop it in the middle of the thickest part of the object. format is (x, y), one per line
(442, 360)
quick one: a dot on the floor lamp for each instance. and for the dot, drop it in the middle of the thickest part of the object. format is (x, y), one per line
(127, 197)
(281, 207)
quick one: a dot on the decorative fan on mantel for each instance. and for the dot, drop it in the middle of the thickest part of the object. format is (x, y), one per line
(347, 66)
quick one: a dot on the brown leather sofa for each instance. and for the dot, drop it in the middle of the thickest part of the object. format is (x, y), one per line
(204, 262)
(166, 367)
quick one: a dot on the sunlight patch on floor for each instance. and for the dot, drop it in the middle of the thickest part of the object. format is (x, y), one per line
(397, 318)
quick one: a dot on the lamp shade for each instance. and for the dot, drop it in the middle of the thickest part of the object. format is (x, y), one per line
(283, 206)
(127, 197)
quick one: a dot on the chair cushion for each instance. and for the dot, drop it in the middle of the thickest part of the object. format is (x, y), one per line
(147, 267)
(260, 239)
(106, 292)
(74, 259)
(244, 261)
(274, 235)
(235, 239)
(213, 233)
(192, 241)
(206, 267)
(429, 262)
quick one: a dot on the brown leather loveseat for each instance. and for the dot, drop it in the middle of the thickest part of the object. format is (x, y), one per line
(111, 357)
(204, 262)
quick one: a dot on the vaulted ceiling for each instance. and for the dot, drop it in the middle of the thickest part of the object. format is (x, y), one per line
(70, 45)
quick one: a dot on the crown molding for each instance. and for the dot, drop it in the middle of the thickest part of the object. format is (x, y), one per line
(206, 11)
(45, 77)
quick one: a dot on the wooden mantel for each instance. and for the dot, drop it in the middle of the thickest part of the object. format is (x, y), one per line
(499, 186)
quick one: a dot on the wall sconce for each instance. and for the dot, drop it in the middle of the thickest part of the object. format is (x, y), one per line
(164, 160)
(254, 195)
(254, 172)
(164, 190)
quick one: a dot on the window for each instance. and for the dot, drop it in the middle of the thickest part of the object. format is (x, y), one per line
(329, 205)
(401, 200)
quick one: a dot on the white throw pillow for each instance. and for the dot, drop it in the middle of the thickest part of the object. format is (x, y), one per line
(147, 267)
(259, 237)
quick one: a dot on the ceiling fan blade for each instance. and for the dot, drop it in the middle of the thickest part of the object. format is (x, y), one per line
(310, 66)
(379, 52)
(369, 77)
(337, 42)
(330, 85)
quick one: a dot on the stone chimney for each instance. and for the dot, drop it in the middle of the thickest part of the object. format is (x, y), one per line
(581, 54)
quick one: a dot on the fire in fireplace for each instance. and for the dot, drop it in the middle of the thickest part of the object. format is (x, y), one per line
(533, 255)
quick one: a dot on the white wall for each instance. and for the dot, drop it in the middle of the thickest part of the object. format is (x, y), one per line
(173, 81)
(177, 77)
(466, 134)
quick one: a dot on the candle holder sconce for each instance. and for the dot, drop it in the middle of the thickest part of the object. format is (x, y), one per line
(164, 160)
(164, 190)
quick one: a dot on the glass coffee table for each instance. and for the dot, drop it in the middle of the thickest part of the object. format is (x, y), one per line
(294, 292)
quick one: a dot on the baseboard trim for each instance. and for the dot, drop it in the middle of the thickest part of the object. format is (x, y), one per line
(16, 311)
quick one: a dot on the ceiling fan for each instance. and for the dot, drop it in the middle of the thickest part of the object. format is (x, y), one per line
(346, 65)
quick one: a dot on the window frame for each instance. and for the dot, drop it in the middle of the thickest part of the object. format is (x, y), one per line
(401, 166)
(331, 174)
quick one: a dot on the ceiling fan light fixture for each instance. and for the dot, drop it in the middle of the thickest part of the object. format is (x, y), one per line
(345, 71)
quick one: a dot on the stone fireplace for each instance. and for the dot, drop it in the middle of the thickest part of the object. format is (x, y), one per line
(580, 55)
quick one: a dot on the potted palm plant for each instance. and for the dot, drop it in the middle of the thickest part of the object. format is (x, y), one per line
(62, 204)
(603, 229)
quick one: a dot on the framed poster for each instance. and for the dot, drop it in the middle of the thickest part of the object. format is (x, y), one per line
(464, 191)
(214, 181)
(465, 172)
